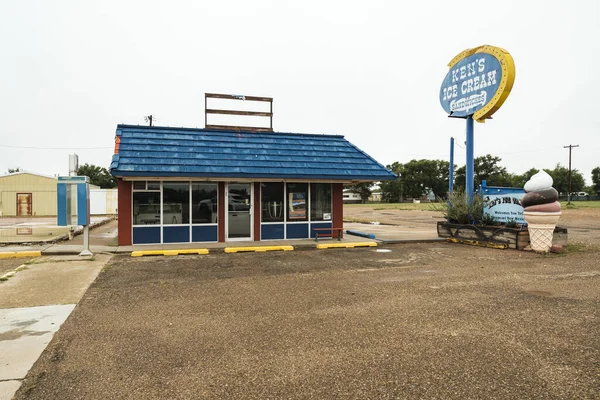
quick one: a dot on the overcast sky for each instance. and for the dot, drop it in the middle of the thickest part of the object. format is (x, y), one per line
(70, 71)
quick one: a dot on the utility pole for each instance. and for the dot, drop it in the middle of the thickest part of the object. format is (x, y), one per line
(570, 148)
(148, 119)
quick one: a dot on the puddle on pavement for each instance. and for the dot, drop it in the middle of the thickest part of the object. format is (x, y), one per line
(23, 324)
(32, 233)
(19, 333)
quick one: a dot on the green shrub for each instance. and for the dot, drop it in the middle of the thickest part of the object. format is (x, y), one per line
(457, 210)
(488, 220)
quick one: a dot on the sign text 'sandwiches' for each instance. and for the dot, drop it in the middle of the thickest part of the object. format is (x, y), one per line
(478, 82)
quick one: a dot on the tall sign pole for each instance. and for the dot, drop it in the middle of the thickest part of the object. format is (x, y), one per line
(451, 168)
(478, 82)
(470, 162)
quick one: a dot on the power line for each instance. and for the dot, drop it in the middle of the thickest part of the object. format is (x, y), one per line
(53, 148)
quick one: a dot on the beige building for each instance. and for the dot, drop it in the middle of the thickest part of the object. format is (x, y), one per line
(28, 194)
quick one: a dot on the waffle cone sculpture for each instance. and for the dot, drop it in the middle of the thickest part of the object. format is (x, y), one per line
(541, 210)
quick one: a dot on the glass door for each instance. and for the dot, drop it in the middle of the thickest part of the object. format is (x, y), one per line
(239, 211)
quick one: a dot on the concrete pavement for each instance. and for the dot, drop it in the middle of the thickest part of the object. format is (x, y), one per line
(24, 334)
(34, 302)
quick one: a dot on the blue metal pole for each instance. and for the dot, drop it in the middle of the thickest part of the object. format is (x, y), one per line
(451, 169)
(470, 160)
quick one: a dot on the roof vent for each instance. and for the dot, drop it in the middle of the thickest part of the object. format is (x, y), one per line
(238, 112)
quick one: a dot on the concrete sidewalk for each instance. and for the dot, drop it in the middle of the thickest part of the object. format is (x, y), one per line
(34, 302)
(103, 240)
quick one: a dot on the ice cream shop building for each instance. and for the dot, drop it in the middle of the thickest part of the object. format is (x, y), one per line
(183, 185)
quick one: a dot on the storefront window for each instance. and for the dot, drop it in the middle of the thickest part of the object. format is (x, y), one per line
(153, 185)
(297, 198)
(204, 203)
(139, 185)
(146, 208)
(176, 203)
(320, 202)
(272, 201)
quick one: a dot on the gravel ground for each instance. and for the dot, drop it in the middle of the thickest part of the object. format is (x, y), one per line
(583, 224)
(419, 321)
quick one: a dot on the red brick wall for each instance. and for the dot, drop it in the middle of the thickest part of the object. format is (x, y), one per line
(337, 193)
(124, 212)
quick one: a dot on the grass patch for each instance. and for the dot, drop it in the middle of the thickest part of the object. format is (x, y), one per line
(358, 220)
(576, 247)
(392, 206)
(581, 204)
(50, 260)
(428, 206)
(3, 278)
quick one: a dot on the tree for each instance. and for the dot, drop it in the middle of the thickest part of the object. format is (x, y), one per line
(596, 179)
(364, 189)
(590, 189)
(391, 190)
(520, 180)
(13, 170)
(98, 176)
(415, 179)
(560, 176)
(485, 168)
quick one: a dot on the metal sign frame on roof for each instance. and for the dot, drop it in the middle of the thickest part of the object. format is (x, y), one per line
(238, 112)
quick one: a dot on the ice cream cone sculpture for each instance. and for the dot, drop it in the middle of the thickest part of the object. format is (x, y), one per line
(541, 210)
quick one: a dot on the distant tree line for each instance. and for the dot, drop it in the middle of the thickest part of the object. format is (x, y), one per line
(418, 178)
(99, 176)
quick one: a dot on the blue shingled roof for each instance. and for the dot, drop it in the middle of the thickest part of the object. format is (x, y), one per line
(152, 151)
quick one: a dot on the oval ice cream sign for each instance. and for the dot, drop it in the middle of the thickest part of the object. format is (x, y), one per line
(478, 82)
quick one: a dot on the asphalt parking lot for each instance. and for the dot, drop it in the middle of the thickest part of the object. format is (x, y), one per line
(412, 321)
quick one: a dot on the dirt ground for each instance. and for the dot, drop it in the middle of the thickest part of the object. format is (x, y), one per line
(9, 264)
(49, 280)
(583, 224)
(429, 320)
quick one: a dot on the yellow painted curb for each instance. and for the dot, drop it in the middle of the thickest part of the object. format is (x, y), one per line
(258, 248)
(346, 245)
(140, 253)
(20, 254)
